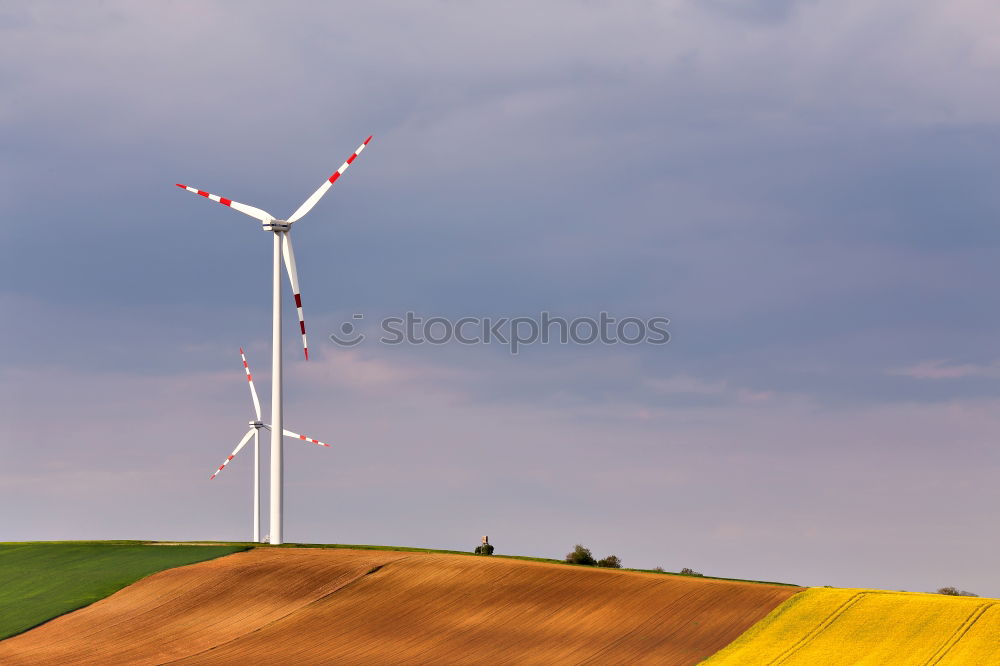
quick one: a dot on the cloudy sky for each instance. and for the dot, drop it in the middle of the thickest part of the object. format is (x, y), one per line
(806, 189)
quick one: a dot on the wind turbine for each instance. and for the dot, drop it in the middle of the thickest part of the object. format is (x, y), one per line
(254, 431)
(282, 248)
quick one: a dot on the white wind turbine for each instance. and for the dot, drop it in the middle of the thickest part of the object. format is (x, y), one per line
(255, 427)
(282, 247)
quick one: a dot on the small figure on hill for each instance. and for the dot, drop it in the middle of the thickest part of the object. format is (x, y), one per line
(486, 548)
(581, 555)
(610, 562)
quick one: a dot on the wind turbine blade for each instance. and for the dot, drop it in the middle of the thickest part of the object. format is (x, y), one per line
(318, 194)
(293, 277)
(243, 442)
(253, 391)
(295, 435)
(261, 215)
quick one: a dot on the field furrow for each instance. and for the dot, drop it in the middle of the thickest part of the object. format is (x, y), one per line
(862, 627)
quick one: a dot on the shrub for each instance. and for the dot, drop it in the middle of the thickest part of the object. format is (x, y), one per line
(955, 592)
(690, 572)
(580, 555)
(484, 550)
(610, 562)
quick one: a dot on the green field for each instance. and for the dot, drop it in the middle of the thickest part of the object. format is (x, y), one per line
(40, 581)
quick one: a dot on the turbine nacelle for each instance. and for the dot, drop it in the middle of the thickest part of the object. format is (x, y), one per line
(277, 225)
(257, 424)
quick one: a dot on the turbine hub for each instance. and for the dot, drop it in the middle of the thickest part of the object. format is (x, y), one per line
(277, 225)
(257, 424)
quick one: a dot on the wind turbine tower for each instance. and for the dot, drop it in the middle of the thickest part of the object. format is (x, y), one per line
(282, 250)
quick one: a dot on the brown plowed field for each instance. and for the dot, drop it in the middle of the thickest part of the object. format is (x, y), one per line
(329, 606)
(187, 610)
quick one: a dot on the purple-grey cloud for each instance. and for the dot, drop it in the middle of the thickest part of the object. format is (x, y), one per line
(942, 369)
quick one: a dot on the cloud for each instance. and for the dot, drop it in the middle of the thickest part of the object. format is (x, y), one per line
(755, 10)
(943, 369)
(685, 384)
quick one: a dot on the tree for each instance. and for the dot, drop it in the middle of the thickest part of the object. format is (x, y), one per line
(581, 555)
(689, 572)
(955, 592)
(610, 562)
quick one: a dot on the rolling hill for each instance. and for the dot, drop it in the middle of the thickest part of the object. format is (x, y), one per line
(362, 605)
(378, 606)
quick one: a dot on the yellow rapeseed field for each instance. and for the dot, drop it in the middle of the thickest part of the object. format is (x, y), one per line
(849, 626)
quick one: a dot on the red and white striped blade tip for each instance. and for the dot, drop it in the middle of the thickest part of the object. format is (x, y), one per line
(314, 441)
(253, 391)
(229, 458)
(220, 468)
(289, 255)
(252, 211)
(343, 167)
(308, 204)
(208, 195)
(295, 435)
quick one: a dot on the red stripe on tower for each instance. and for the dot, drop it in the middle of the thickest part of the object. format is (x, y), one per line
(298, 300)
(335, 176)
